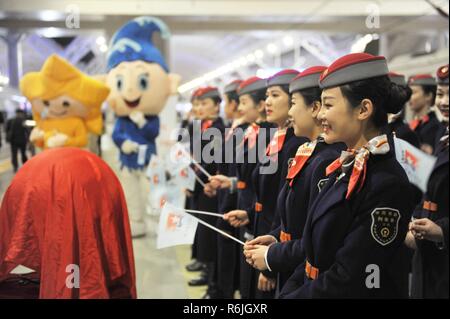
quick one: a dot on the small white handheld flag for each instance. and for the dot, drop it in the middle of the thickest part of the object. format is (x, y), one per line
(156, 171)
(159, 196)
(418, 165)
(178, 158)
(176, 227)
(186, 178)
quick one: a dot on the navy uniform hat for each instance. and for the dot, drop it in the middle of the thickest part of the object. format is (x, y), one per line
(133, 42)
(282, 78)
(442, 75)
(251, 85)
(232, 87)
(353, 67)
(307, 79)
(422, 79)
(397, 78)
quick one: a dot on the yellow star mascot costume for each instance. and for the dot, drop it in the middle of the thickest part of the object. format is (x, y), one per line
(66, 104)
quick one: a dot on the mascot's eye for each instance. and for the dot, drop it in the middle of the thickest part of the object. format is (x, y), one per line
(66, 104)
(119, 83)
(143, 82)
(46, 103)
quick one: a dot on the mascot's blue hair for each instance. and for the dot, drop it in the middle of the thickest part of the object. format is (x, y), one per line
(133, 42)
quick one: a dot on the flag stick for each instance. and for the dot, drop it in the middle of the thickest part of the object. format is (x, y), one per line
(199, 180)
(195, 163)
(203, 213)
(217, 230)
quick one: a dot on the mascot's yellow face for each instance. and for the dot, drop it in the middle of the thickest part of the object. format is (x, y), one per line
(62, 106)
(138, 86)
(59, 90)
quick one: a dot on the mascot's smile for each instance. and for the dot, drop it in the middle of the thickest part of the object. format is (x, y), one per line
(58, 114)
(134, 103)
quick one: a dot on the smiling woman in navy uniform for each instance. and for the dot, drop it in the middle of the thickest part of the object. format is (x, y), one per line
(429, 230)
(424, 122)
(256, 137)
(188, 124)
(305, 178)
(208, 112)
(227, 257)
(356, 227)
(268, 174)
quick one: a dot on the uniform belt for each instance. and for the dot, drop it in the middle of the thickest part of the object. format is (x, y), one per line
(241, 185)
(258, 207)
(430, 206)
(285, 236)
(311, 271)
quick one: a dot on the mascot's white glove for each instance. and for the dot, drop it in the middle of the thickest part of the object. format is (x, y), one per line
(129, 147)
(138, 118)
(36, 134)
(57, 140)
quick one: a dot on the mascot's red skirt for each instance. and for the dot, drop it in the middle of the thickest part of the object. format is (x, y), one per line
(65, 210)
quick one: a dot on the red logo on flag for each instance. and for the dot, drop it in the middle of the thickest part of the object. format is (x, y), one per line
(410, 159)
(162, 201)
(173, 221)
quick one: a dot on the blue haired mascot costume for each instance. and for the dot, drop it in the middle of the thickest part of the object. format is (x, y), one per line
(140, 85)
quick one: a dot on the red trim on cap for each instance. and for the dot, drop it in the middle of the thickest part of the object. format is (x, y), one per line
(196, 92)
(284, 72)
(442, 72)
(421, 76)
(393, 74)
(235, 82)
(249, 81)
(206, 89)
(281, 73)
(309, 71)
(199, 92)
(347, 60)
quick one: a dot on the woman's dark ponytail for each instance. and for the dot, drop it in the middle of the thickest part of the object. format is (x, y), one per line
(387, 97)
(398, 96)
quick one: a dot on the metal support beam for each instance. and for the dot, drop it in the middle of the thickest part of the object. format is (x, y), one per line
(43, 46)
(14, 58)
(78, 48)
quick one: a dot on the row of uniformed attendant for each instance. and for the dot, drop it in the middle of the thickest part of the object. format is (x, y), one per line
(336, 216)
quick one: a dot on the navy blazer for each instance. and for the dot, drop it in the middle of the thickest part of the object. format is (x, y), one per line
(211, 166)
(402, 131)
(292, 207)
(228, 201)
(244, 170)
(349, 240)
(431, 261)
(429, 131)
(268, 186)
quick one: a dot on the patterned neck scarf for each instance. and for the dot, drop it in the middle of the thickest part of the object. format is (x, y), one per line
(251, 135)
(232, 129)
(376, 146)
(276, 144)
(304, 152)
(414, 124)
(206, 125)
